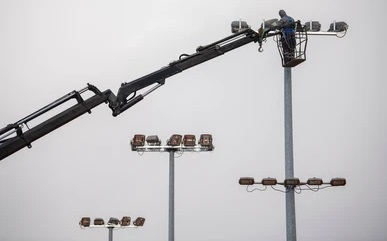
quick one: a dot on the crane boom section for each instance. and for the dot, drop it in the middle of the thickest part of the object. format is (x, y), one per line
(126, 96)
(203, 54)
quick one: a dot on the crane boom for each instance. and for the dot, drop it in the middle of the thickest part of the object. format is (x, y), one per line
(126, 96)
(23, 139)
(203, 54)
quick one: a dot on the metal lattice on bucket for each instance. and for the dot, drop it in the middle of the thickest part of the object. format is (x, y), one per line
(292, 48)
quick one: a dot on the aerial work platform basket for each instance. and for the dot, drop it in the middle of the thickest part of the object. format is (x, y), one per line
(291, 47)
(296, 46)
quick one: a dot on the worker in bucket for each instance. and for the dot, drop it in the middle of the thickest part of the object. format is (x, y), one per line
(288, 40)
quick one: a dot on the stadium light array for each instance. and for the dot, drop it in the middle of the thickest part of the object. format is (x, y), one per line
(313, 184)
(176, 142)
(112, 223)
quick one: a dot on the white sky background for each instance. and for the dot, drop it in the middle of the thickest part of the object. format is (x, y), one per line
(86, 168)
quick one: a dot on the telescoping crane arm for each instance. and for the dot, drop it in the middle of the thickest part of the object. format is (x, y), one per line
(20, 139)
(12, 137)
(203, 54)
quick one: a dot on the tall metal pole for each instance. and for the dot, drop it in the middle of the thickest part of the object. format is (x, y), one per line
(289, 169)
(111, 234)
(171, 227)
(206, 146)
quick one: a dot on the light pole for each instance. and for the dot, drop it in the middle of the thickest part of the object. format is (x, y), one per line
(113, 223)
(289, 60)
(176, 143)
(301, 39)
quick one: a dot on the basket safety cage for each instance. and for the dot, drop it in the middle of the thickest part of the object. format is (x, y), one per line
(292, 46)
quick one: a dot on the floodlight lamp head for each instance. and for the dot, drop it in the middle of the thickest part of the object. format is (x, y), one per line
(175, 140)
(206, 140)
(269, 181)
(99, 221)
(153, 140)
(291, 182)
(335, 182)
(238, 26)
(125, 221)
(269, 23)
(312, 26)
(138, 140)
(113, 221)
(338, 27)
(314, 181)
(246, 181)
(85, 222)
(139, 222)
(189, 140)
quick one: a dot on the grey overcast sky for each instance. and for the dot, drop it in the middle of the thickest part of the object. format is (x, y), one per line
(86, 168)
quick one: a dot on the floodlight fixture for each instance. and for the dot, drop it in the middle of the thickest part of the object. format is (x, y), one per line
(205, 140)
(139, 222)
(125, 221)
(175, 140)
(153, 140)
(291, 182)
(189, 140)
(269, 181)
(114, 221)
(338, 182)
(138, 140)
(312, 26)
(238, 26)
(338, 27)
(246, 181)
(314, 181)
(99, 221)
(85, 222)
(271, 23)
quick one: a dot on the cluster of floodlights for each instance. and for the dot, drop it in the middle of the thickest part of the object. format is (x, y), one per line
(315, 26)
(176, 141)
(313, 184)
(112, 223)
(310, 26)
